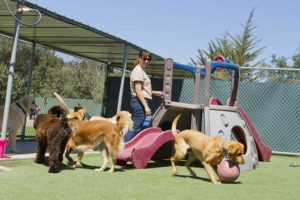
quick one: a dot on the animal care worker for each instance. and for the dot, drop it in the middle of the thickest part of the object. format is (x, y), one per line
(141, 93)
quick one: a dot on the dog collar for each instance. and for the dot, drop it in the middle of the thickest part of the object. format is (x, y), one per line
(21, 108)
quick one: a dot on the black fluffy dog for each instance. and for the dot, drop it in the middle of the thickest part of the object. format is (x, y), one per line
(52, 133)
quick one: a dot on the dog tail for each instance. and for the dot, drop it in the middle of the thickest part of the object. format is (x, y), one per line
(174, 124)
(123, 124)
(61, 100)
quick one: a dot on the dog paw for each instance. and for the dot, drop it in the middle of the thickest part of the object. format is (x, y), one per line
(77, 165)
(54, 170)
(99, 170)
(217, 183)
(193, 174)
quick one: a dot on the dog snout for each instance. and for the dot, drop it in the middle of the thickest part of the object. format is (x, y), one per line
(34, 110)
(243, 160)
(240, 160)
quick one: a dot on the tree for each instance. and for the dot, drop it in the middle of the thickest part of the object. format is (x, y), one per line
(283, 76)
(241, 49)
(52, 71)
(21, 68)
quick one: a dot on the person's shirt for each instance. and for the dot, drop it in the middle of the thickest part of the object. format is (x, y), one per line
(138, 74)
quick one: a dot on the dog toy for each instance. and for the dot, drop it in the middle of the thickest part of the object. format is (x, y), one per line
(228, 171)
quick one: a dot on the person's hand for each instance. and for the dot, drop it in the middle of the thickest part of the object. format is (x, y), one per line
(160, 94)
(147, 110)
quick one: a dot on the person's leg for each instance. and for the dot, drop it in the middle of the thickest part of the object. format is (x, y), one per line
(138, 117)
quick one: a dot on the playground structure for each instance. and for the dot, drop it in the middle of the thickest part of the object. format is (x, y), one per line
(228, 121)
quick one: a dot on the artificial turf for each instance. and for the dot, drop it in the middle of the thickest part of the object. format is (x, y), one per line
(28, 180)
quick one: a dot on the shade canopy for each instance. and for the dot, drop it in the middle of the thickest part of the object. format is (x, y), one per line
(72, 37)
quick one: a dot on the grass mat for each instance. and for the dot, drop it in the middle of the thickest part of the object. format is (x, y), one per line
(28, 180)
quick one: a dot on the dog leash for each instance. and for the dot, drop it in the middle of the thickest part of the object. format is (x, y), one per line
(21, 108)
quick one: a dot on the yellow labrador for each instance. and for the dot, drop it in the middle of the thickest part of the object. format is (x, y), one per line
(17, 113)
(209, 150)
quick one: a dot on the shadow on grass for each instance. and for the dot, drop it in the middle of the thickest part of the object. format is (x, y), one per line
(62, 167)
(93, 167)
(193, 177)
(150, 165)
(205, 179)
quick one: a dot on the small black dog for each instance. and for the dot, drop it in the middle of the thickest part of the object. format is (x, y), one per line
(52, 132)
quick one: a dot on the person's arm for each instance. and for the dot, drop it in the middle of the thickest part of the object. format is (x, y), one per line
(138, 86)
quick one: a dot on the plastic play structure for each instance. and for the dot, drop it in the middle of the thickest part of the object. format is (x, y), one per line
(229, 121)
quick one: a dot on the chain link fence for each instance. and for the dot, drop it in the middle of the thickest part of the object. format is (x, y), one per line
(272, 103)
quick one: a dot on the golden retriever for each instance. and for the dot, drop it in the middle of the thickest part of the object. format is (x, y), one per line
(209, 150)
(111, 119)
(17, 114)
(82, 148)
(108, 135)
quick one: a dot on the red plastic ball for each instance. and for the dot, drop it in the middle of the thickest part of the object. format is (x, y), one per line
(228, 171)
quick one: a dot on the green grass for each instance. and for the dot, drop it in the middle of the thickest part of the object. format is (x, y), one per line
(27, 180)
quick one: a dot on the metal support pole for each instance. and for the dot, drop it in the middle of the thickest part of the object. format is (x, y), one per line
(31, 63)
(106, 90)
(28, 85)
(10, 78)
(122, 78)
(207, 80)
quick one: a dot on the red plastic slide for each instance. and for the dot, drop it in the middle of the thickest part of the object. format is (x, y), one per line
(264, 152)
(141, 148)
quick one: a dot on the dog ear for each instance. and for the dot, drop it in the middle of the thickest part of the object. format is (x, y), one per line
(242, 147)
(234, 147)
(118, 117)
(25, 101)
(76, 109)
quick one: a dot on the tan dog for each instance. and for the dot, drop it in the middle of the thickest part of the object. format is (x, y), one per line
(17, 114)
(111, 119)
(82, 148)
(109, 136)
(210, 150)
(79, 112)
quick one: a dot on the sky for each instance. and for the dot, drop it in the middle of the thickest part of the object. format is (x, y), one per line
(177, 28)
